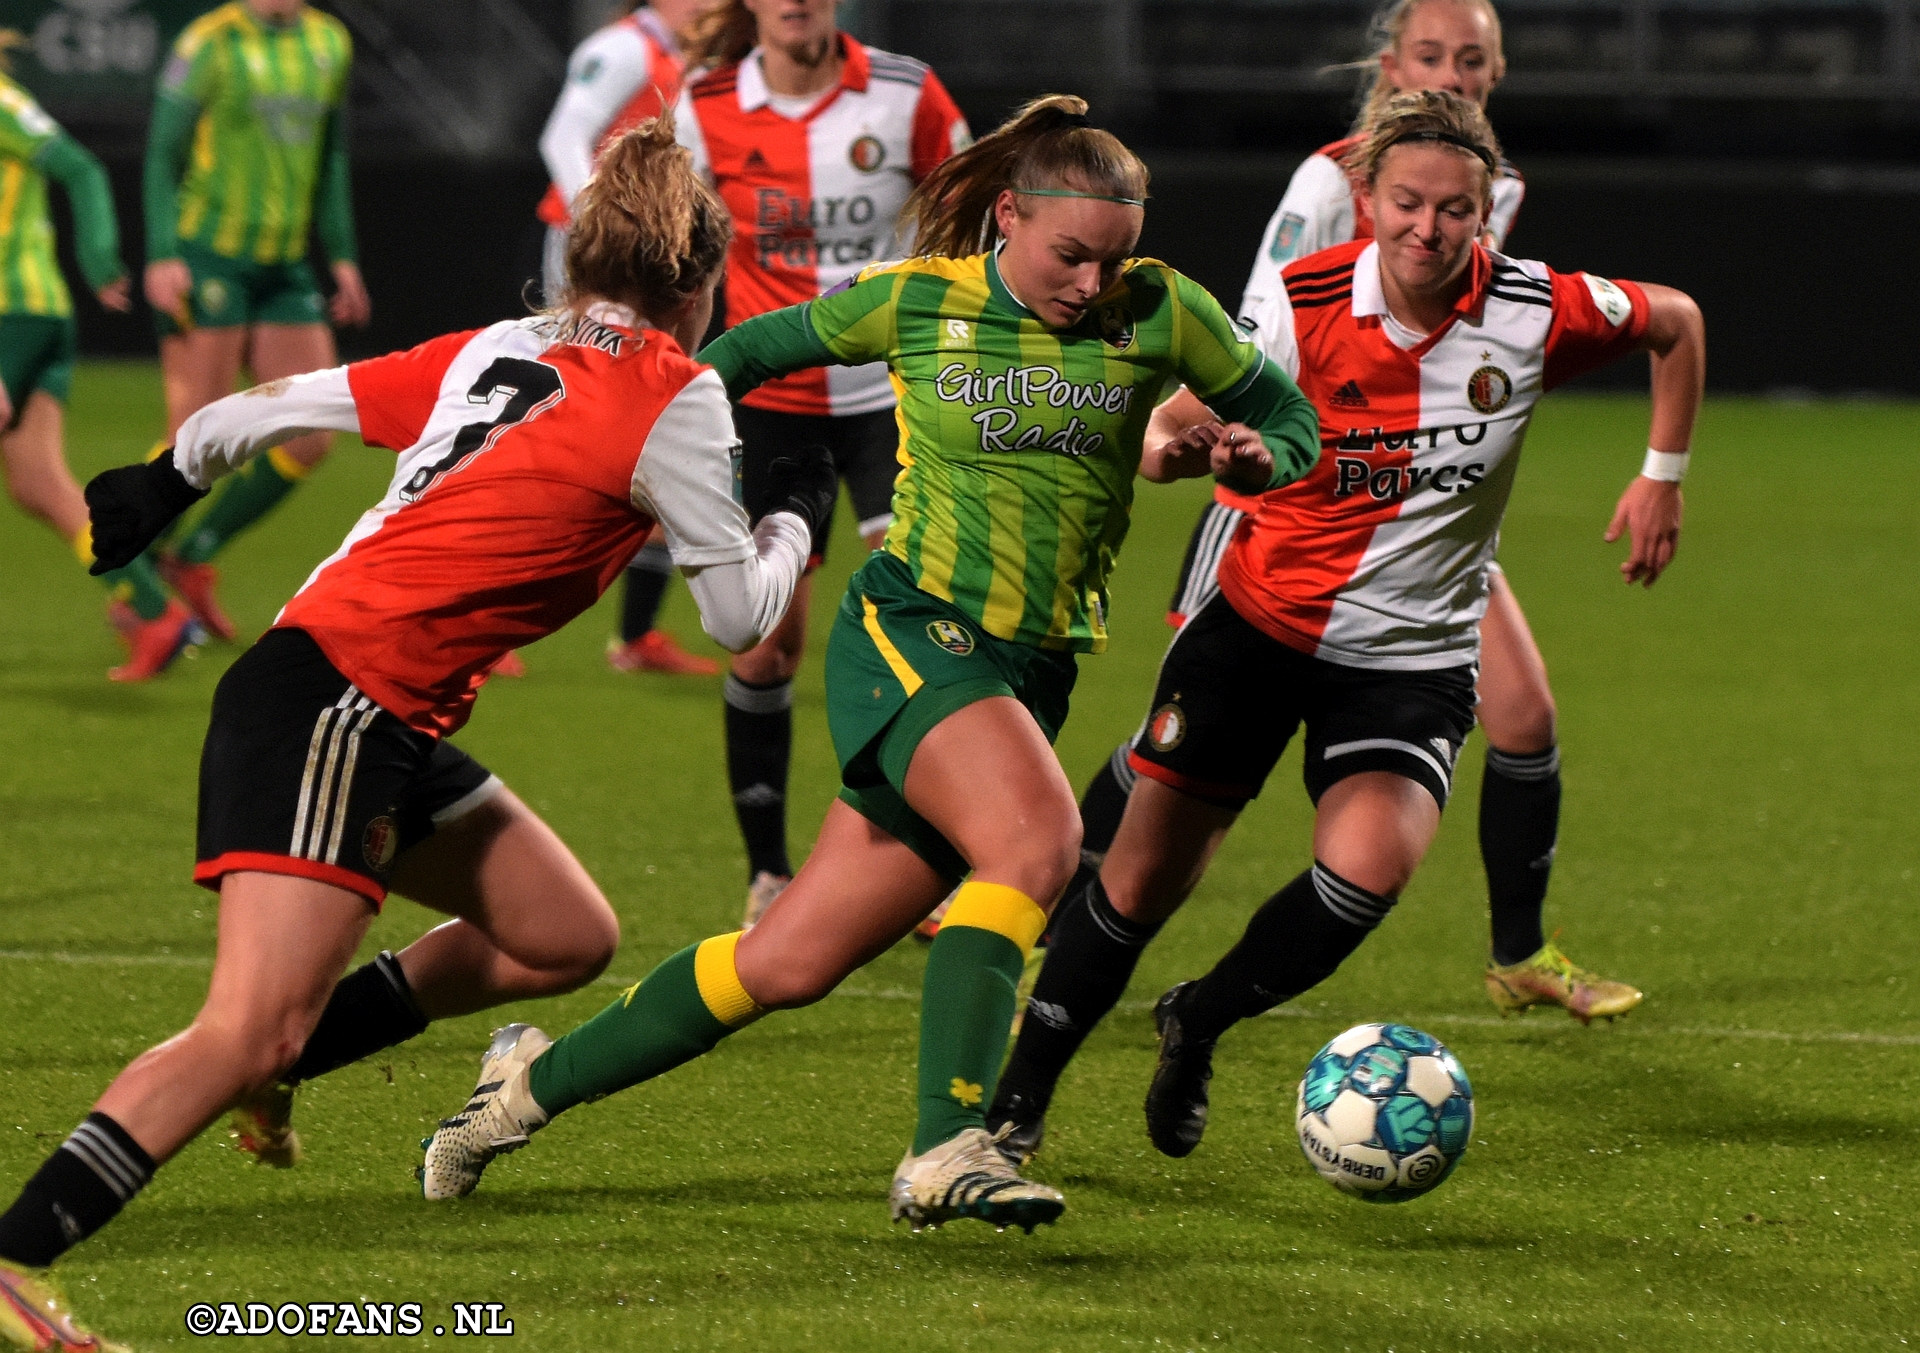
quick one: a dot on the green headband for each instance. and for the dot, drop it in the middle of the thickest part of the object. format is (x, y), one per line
(1092, 197)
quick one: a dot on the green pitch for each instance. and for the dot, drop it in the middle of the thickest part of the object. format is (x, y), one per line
(1734, 1166)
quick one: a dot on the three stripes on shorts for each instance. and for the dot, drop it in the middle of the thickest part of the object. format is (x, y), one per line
(321, 820)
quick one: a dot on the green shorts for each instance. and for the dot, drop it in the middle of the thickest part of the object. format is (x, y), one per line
(228, 292)
(901, 660)
(37, 353)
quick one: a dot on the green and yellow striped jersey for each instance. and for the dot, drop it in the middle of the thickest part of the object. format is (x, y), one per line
(30, 280)
(264, 96)
(1019, 443)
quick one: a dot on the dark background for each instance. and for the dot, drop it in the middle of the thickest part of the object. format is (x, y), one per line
(1764, 157)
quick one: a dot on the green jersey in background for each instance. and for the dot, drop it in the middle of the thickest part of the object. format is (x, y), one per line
(32, 146)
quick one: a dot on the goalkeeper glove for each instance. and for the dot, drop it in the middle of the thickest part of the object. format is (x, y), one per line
(132, 505)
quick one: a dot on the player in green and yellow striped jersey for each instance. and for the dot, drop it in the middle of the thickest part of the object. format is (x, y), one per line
(1026, 375)
(247, 153)
(37, 347)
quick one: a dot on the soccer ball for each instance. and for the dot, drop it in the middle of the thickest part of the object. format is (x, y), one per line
(1384, 1112)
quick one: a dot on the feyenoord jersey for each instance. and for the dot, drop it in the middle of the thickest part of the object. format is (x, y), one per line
(264, 93)
(1378, 557)
(1021, 442)
(618, 78)
(518, 497)
(816, 198)
(1323, 207)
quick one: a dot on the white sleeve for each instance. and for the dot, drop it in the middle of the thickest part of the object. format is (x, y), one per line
(686, 130)
(1508, 190)
(741, 578)
(1315, 213)
(603, 75)
(1272, 320)
(229, 432)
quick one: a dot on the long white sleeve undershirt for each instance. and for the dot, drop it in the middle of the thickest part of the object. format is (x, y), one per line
(229, 432)
(603, 75)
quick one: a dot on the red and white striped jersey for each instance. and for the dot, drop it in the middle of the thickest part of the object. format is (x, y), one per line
(534, 458)
(816, 196)
(618, 78)
(1378, 558)
(1322, 207)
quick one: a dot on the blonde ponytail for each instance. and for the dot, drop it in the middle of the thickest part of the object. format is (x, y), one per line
(1046, 146)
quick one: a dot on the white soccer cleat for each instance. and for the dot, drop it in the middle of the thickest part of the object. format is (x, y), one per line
(760, 895)
(499, 1118)
(968, 1177)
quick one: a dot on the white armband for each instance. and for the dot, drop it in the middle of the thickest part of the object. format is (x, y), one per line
(1668, 466)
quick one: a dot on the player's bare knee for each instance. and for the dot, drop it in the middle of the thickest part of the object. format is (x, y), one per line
(1523, 725)
(1041, 863)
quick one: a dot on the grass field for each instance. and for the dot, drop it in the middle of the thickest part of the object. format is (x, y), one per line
(1735, 1166)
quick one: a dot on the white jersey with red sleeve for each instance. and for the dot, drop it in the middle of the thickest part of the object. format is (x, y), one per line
(1378, 558)
(616, 79)
(1323, 207)
(535, 456)
(816, 192)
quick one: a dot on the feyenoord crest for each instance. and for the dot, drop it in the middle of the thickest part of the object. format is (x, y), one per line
(867, 154)
(1167, 728)
(1489, 389)
(950, 636)
(1116, 326)
(380, 843)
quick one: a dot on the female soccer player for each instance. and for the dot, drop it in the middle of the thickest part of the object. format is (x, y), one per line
(1453, 45)
(534, 457)
(619, 77)
(813, 141)
(247, 151)
(1351, 601)
(1025, 375)
(37, 346)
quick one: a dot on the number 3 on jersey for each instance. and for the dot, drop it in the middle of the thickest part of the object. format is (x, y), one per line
(530, 389)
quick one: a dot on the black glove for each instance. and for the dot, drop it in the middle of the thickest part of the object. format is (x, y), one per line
(805, 484)
(132, 505)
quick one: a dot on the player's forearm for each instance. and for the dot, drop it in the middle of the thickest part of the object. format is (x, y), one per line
(96, 231)
(167, 141)
(1677, 340)
(1273, 406)
(1161, 458)
(229, 432)
(766, 346)
(741, 603)
(333, 211)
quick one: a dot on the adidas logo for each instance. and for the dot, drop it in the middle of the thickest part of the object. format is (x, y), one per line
(755, 160)
(1348, 396)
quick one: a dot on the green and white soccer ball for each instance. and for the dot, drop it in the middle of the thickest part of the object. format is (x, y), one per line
(1384, 1112)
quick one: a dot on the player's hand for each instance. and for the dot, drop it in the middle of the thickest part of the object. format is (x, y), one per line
(1649, 512)
(117, 295)
(351, 305)
(1240, 460)
(1187, 454)
(132, 505)
(167, 283)
(805, 483)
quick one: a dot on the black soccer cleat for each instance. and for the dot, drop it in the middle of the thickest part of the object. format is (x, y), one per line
(1018, 1121)
(1177, 1098)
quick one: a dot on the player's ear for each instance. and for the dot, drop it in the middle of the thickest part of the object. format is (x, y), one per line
(1006, 212)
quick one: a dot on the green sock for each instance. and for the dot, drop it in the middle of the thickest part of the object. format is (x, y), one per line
(238, 502)
(966, 1011)
(682, 1009)
(139, 586)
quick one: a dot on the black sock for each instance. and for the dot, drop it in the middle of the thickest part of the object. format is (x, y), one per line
(1519, 824)
(371, 1008)
(1091, 959)
(1105, 803)
(1292, 944)
(647, 578)
(759, 745)
(77, 1190)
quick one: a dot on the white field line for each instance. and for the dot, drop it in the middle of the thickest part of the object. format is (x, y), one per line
(1281, 1012)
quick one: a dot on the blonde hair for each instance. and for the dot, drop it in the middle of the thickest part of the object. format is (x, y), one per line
(722, 35)
(1047, 145)
(1428, 116)
(647, 230)
(1385, 31)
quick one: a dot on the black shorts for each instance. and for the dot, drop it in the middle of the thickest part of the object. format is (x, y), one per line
(865, 447)
(1229, 699)
(302, 774)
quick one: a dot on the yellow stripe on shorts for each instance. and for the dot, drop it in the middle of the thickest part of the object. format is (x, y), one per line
(996, 907)
(902, 671)
(719, 982)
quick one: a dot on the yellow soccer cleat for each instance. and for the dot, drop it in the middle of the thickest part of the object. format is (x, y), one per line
(34, 1316)
(262, 1126)
(1549, 977)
